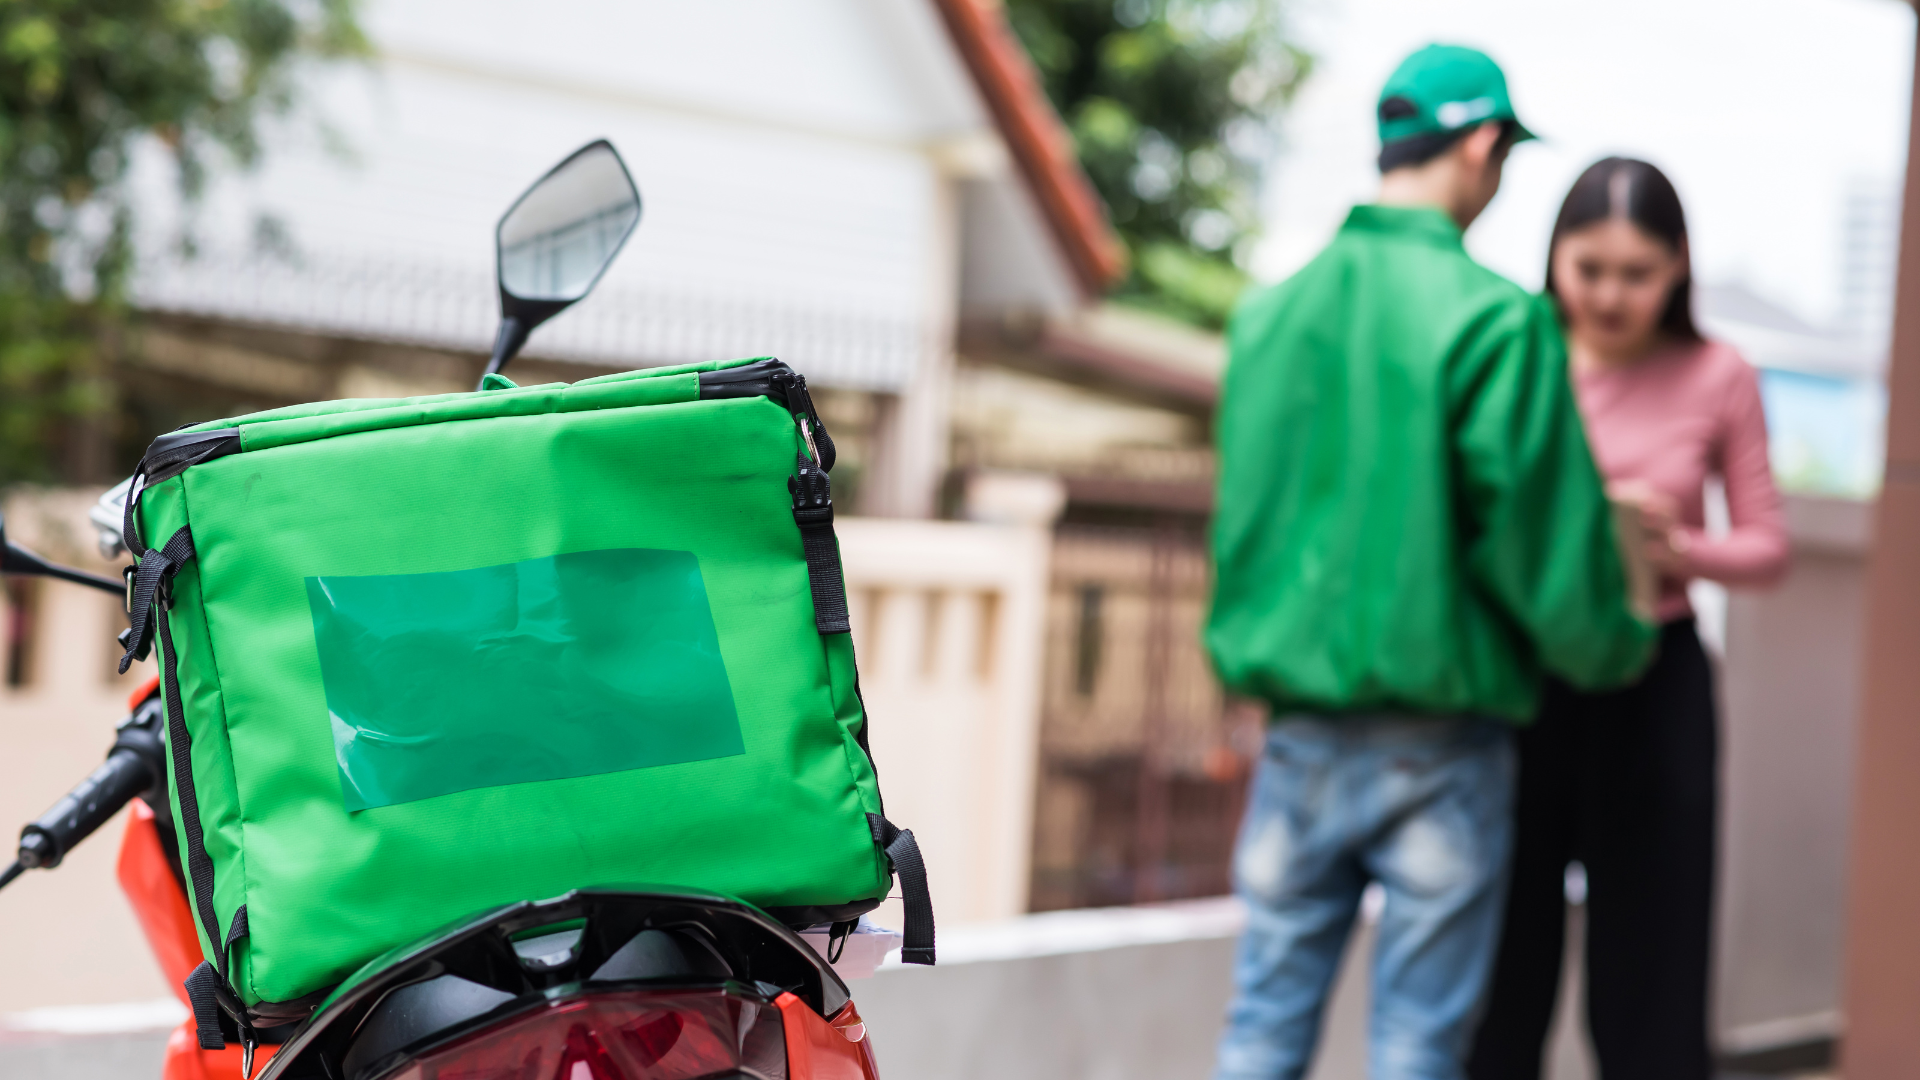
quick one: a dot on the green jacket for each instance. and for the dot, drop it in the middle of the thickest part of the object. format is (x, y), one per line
(1409, 519)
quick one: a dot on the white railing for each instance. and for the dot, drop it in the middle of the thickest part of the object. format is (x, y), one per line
(947, 620)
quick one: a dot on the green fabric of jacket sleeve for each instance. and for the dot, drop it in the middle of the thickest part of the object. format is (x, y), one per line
(1540, 534)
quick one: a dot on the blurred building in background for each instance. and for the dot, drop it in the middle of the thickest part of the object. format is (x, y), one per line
(836, 188)
(1870, 248)
(1142, 762)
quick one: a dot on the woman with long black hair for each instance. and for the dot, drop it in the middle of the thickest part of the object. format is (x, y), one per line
(1625, 782)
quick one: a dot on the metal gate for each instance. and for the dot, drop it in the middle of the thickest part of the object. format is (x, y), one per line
(1143, 763)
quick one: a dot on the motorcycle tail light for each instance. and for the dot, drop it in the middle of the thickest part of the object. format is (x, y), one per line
(625, 1035)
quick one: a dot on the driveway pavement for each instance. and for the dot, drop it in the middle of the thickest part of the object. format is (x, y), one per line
(82, 1057)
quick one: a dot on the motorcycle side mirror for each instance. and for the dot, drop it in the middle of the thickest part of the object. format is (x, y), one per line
(557, 239)
(17, 560)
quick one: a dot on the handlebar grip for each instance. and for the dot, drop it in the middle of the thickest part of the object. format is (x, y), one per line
(46, 841)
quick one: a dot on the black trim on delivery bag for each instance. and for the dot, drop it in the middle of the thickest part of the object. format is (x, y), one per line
(810, 486)
(903, 855)
(167, 457)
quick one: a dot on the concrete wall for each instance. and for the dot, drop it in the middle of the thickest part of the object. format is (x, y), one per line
(1790, 695)
(1111, 994)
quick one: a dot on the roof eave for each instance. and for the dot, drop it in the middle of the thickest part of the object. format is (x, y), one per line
(1039, 142)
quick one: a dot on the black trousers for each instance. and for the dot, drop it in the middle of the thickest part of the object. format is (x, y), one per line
(1626, 784)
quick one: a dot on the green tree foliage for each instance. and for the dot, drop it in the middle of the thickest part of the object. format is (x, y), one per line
(82, 84)
(1171, 104)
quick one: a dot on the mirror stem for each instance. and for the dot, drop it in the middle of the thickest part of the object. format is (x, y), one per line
(81, 577)
(15, 559)
(507, 343)
(20, 561)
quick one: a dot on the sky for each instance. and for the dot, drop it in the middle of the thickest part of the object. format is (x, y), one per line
(1765, 113)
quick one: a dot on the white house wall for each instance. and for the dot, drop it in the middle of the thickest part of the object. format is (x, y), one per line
(861, 69)
(792, 158)
(1008, 261)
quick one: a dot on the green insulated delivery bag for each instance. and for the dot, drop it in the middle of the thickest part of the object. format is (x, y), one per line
(423, 657)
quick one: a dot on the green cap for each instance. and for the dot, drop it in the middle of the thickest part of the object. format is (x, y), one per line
(1443, 88)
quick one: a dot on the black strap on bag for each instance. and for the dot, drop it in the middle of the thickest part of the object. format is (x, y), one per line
(210, 991)
(167, 457)
(157, 567)
(203, 990)
(207, 987)
(813, 512)
(249, 1038)
(150, 578)
(811, 489)
(235, 933)
(180, 747)
(903, 854)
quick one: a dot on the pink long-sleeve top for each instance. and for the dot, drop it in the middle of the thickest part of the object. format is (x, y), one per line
(1687, 412)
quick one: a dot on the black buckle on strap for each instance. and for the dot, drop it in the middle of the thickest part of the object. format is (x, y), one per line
(813, 512)
(151, 579)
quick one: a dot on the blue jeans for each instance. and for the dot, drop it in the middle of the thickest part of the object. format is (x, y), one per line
(1424, 807)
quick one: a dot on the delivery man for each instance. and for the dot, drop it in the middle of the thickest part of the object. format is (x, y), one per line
(1410, 533)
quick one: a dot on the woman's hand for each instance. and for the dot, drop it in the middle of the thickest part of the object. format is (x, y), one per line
(1663, 539)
